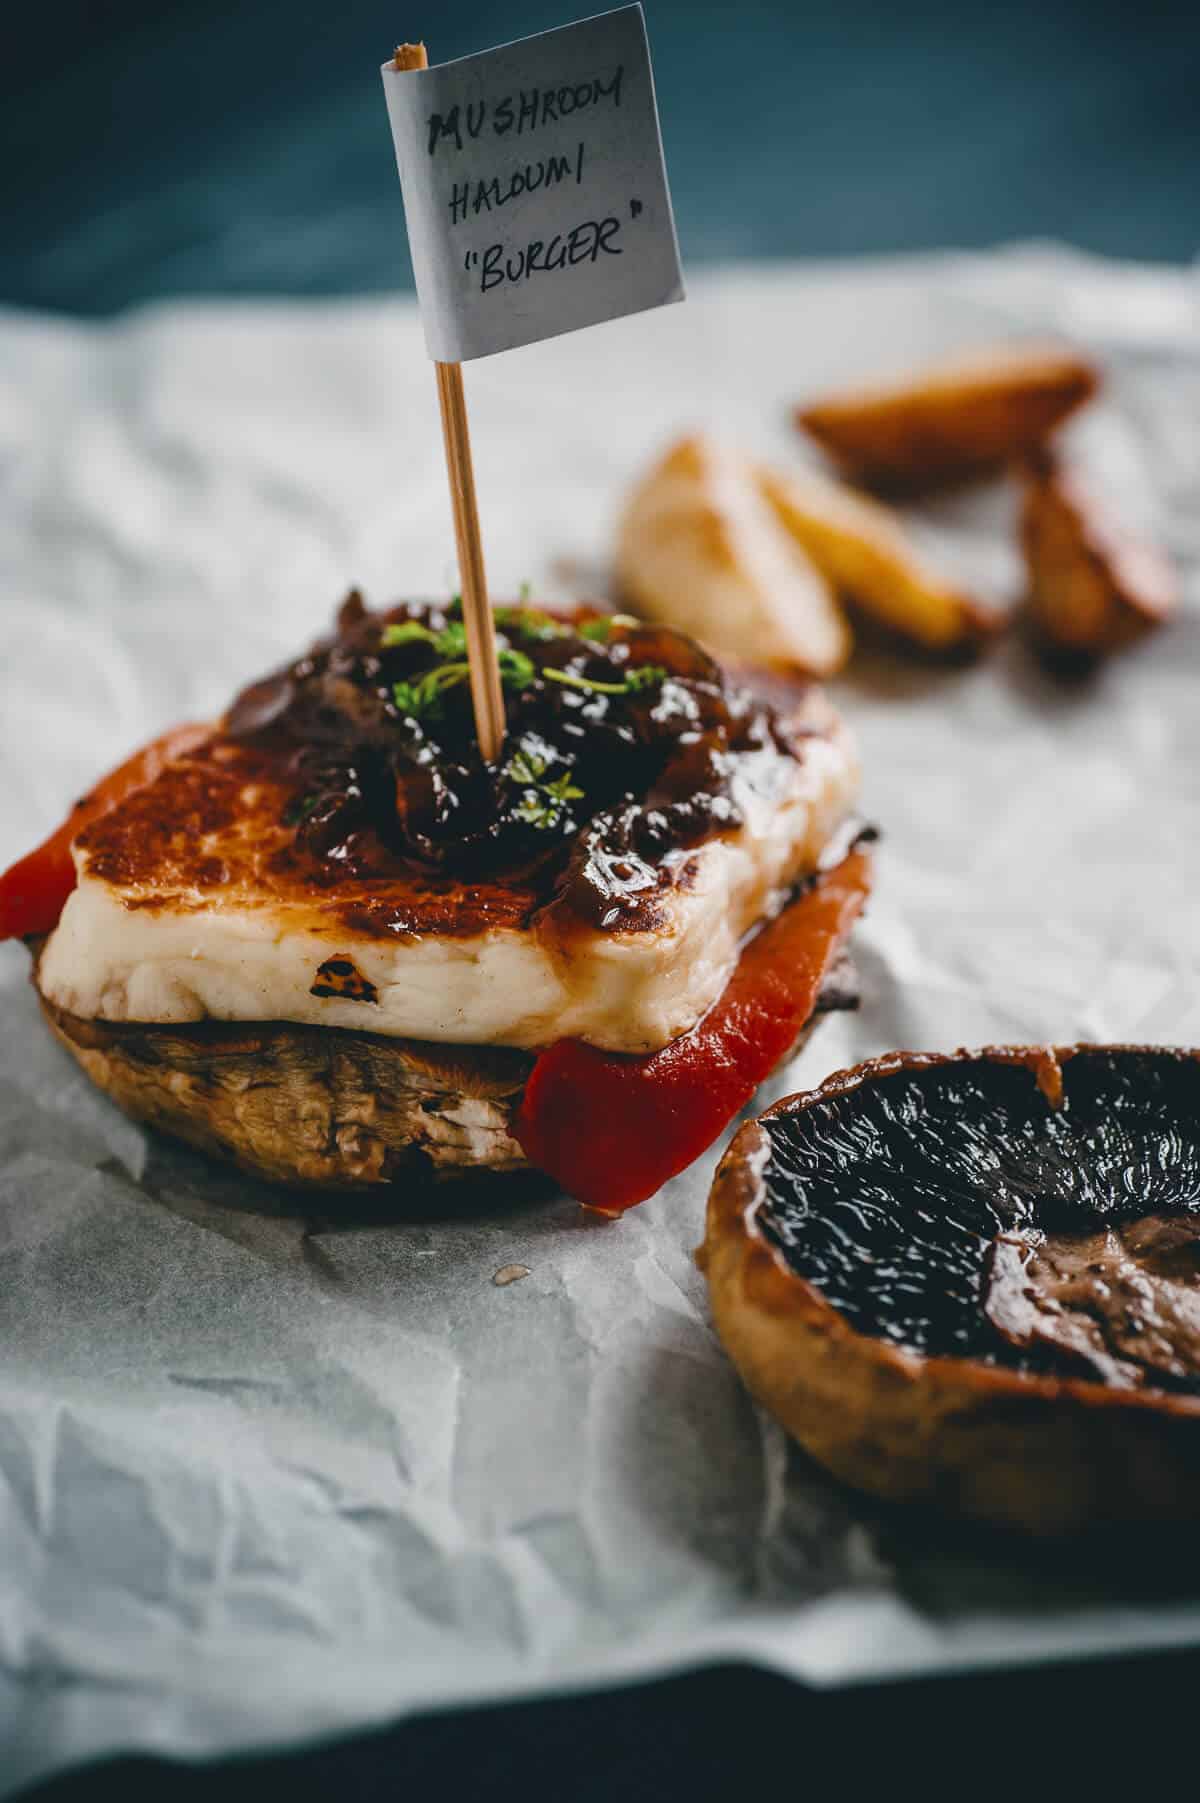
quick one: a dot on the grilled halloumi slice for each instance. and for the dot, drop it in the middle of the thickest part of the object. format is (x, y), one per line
(189, 907)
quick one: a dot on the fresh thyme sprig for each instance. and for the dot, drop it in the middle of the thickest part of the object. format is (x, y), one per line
(530, 623)
(535, 623)
(451, 641)
(544, 802)
(516, 670)
(641, 676)
(421, 698)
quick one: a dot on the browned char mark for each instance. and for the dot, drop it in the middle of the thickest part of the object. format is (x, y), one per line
(341, 978)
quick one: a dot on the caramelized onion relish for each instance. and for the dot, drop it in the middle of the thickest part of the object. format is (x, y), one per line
(621, 749)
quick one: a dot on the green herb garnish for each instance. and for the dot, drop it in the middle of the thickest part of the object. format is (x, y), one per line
(600, 631)
(544, 803)
(422, 699)
(516, 670)
(530, 623)
(300, 809)
(526, 766)
(403, 632)
(421, 696)
(451, 641)
(642, 676)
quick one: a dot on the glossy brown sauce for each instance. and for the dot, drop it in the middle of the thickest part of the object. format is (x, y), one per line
(350, 780)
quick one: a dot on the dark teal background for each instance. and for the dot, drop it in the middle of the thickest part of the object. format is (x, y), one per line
(223, 148)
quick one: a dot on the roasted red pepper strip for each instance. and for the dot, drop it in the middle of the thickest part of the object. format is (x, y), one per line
(611, 1128)
(33, 891)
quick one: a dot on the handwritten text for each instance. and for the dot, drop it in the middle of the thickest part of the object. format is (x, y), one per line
(470, 199)
(584, 243)
(519, 113)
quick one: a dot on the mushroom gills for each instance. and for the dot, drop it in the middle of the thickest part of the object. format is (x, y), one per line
(954, 1211)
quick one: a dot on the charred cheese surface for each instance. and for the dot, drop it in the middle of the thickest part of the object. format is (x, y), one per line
(204, 895)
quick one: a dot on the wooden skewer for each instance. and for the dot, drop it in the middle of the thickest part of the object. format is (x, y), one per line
(487, 697)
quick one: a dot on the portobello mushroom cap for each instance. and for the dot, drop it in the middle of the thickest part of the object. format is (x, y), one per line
(320, 1107)
(325, 1107)
(973, 1282)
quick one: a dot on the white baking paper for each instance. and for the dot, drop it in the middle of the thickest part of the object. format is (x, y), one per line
(272, 1468)
(534, 187)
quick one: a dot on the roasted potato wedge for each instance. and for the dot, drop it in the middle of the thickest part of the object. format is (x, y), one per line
(952, 421)
(700, 547)
(862, 549)
(1094, 585)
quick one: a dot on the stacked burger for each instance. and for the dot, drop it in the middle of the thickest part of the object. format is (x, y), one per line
(323, 938)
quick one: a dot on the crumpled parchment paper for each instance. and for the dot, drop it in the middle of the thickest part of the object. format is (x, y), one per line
(272, 1469)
